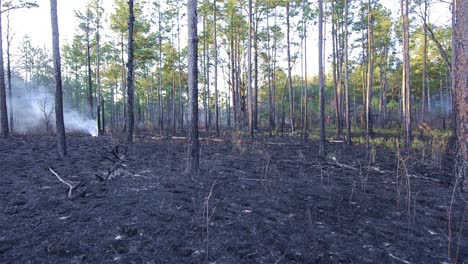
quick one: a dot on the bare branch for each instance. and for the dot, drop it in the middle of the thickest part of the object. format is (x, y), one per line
(70, 186)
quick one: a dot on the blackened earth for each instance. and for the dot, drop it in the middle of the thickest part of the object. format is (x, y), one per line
(250, 203)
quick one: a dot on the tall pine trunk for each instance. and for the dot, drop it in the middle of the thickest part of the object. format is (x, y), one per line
(88, 63)
(249, 81)
(59, 122)
(424, 77)
(215, 47)
(406, 89)
(194, 155)
(370, 74)
(10, 92)
(347, 115)
(321, 82)
(461, 92)
(100, 118)
(3, 99)
(291, 92)
(130, 76)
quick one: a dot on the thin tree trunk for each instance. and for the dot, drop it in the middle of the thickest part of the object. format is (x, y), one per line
(194, 155)
(181, 112)
(305, 124)
(88, 62)
(160, 103)
(130, 76)
(370, 75)
(10, 92)
(255, 91)
(124, 85)
(103, 112)
(215, 47)
(406, 81)
(174, 131)
(205, 79)
(98, 74)
(291, 93)
(3, 99)
(271, 117)
(59, 122)
(424, 78)
(321, 82)
(249, 81)
(335, 70)
(347, 116)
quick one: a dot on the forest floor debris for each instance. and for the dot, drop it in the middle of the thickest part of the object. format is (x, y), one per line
(272, 203)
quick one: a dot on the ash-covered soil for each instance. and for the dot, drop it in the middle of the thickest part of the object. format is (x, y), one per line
(250, 203)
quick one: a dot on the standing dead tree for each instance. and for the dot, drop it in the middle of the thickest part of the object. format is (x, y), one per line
(59, 122)
(46, 113)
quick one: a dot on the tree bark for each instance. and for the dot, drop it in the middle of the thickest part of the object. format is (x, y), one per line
(461, 91)
(322, 152)
(130, 76)
(370, 74)
(59, 122)
(347, 115)
(291, 92)
(424, 78)
(181, 112)
(10, 92)
(194, 155)
(406, 91)
(3, 100)
(98, 73)
(215, 41)
(160, 103)
(88, 62)
(249, 81)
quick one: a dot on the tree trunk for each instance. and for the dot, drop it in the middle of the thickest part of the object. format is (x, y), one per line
(3, 99)
(255, 91)
(291, 93)
(88, 62)
(406, 92)
(174, 131)
(424, 78)
(335, 72)
(10, 92)
(59, 122)
(160, 103)
(321, 82)
(271, 117)
(205, 79)
(124, 85)
(215, 47)
(98, 74)
(461, 91)
(130, 83)
(347, 115)
(249, 81)
(305, 128)
(194, 155)
(370, 75)
(181, 112)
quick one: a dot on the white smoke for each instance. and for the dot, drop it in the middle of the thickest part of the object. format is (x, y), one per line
(33, 110)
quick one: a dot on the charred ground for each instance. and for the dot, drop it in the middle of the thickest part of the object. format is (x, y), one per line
(251, 203)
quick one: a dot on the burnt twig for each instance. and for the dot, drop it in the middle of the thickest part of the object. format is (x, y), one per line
(70, 186)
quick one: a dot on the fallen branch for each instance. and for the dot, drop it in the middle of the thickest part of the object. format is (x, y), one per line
(70, 186)
(397, 258)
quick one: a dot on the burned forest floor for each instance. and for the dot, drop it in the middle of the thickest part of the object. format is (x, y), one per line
(272, 201)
